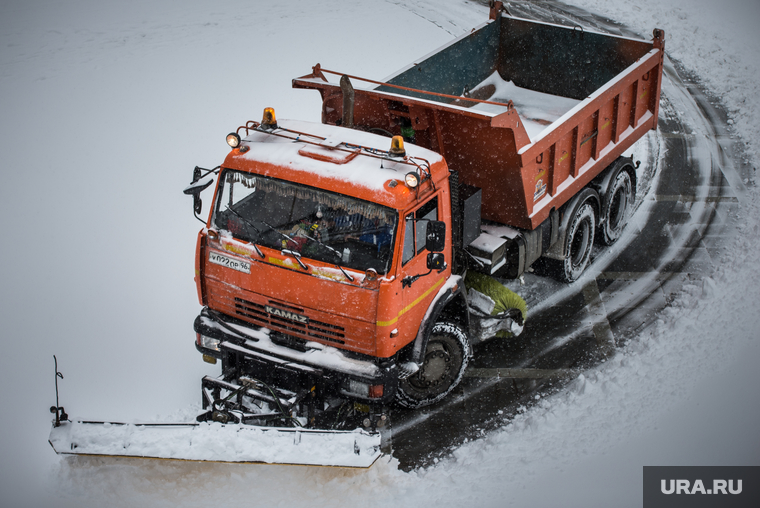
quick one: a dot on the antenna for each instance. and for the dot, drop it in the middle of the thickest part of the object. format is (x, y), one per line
(60, 413)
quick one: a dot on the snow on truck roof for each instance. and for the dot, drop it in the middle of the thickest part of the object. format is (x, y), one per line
(348, 161)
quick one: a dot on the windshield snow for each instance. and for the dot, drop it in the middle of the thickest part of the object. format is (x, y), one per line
(317, 224)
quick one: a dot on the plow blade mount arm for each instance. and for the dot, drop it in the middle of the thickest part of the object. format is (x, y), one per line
(216, 442)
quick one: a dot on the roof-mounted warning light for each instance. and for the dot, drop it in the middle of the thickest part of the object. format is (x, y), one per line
(269, 121)
(397, 147)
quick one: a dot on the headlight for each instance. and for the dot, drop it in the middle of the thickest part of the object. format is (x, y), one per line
(412, 180)
(357, 388)
(233, 139)
(363, 390)
(210, 343)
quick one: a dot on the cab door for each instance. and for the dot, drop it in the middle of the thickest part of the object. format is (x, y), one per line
(418, 294)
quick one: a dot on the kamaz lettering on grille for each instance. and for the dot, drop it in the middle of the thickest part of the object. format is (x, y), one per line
(292, 316)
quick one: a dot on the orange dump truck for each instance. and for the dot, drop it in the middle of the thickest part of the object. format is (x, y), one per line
(332, 264)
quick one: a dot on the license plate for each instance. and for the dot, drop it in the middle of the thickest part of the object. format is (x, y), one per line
(235, 264)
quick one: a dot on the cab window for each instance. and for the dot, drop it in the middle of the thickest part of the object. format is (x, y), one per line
(416, 226)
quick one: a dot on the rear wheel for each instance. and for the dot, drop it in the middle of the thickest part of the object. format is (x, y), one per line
(578, 242)
(444, 364)
(618, 203)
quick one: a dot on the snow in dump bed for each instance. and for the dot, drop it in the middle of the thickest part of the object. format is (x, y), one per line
(537, 110)
(369, 172)
(212, 441)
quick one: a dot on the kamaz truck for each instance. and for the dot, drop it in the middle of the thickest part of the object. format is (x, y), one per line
(351, 265)
(354, 263)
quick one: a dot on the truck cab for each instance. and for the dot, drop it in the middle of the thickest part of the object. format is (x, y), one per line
(315, 266)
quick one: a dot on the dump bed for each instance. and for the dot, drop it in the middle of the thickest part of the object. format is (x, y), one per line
(528, 111)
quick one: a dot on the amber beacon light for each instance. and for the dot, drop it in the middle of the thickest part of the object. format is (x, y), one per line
(269, 121)
(397, 147)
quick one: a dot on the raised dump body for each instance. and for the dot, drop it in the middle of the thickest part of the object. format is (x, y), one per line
(529, 112)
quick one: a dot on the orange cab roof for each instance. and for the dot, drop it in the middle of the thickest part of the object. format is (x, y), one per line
(347, 161)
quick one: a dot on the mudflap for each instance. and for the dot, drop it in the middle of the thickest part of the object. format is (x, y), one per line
(217, 442)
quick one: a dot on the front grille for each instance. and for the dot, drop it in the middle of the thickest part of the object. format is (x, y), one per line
(258, 314)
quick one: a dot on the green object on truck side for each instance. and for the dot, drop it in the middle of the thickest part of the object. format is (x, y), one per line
(504, 298)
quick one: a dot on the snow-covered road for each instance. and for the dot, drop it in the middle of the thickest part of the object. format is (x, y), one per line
(106, 107)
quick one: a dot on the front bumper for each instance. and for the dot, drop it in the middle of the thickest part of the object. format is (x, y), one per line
(294, 364)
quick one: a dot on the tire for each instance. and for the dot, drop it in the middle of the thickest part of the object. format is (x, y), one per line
(617, 208)
(446, 358)
(578, 242)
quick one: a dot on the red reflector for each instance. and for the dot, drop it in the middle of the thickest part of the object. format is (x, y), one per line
(198, 338)
(375, 391)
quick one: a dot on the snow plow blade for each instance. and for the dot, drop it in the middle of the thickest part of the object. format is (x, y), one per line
(215, 442)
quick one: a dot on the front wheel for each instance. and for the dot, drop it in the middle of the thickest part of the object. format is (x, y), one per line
(446, 358)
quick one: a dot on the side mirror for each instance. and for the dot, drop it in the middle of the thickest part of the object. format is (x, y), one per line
(197, 186)
(436, 261)
(194, 190)
(435, 236)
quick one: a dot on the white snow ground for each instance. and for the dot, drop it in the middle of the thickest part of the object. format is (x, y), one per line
(107, 106)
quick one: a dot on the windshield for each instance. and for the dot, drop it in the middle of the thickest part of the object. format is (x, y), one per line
(314, 223)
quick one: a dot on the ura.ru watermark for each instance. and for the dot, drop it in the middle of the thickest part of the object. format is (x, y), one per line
(701, 486)
(698, 487)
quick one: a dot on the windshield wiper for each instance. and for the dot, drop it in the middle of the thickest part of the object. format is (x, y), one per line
(296, 256)
(334, 252)
(258, 233)
(345, 273)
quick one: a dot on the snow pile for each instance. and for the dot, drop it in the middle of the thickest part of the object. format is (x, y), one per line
(536, 109)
